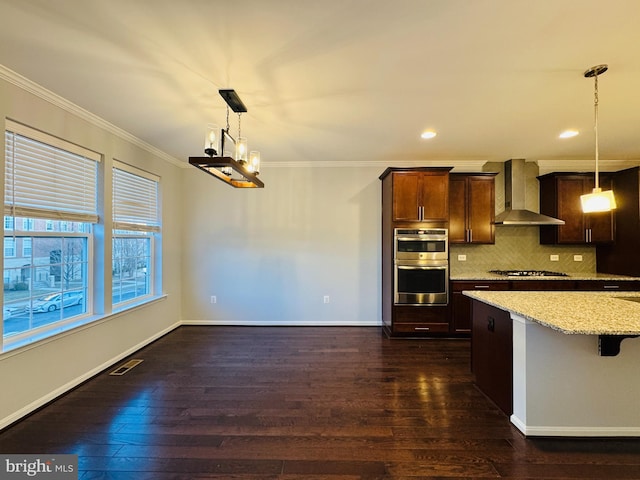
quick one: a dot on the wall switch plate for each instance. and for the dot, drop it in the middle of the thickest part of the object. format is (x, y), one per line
(326, 299)
(577, 258)
(214, 299)
(462, 258)
(554, 258)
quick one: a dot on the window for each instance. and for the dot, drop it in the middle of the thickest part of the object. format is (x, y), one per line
(27, 242)
(136, 224)
(9, 247)
(51, 191)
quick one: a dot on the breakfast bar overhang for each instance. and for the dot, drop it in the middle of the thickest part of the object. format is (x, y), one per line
(562, 383)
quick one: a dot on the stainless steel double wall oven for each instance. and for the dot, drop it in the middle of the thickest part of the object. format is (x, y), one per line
(421, 266)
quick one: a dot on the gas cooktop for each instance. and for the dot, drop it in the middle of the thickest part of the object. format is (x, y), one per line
(528, 273)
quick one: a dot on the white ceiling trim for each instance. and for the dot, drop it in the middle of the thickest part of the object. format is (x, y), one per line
(466, 165)
(58, 101)
(548, 166)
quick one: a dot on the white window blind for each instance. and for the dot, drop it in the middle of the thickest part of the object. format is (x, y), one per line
(135, 199)
(46, 177)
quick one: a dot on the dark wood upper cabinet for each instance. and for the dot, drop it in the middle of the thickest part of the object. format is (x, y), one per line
(623, 257)
(472, 208)
(419, 195)
(560, 197)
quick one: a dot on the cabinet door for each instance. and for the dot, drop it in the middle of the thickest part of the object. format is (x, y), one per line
(481, 208)
(570, 210)
(434, 197)
(457, 210)
(406, 191)
(492, 354)
(600, 224)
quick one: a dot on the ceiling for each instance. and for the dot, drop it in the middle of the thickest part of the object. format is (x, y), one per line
(343, 80)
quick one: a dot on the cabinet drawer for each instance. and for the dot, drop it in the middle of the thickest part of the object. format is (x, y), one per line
(458, 286)
(421, 328)
(412, 314)
(549, 285)
(604, 285)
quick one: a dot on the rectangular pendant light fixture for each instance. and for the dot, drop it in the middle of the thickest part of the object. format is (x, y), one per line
(235, 172)
(238, 176)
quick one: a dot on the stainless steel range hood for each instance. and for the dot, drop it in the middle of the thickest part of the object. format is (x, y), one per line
(515, 186)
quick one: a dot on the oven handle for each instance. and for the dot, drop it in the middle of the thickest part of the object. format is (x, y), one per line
(442, 238)
(422, 267)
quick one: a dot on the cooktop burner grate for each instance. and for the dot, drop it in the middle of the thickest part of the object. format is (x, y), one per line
(528, 273)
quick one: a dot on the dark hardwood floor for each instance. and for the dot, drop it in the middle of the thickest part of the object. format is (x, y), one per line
(302, 403)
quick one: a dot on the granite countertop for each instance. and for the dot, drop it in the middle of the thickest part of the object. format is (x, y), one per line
(480, 275)
(585, 313)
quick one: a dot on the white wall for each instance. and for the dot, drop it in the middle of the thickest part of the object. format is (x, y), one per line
(271, 255)
(33, 375)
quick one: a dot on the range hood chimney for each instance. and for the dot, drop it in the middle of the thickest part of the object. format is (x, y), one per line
(515, 186)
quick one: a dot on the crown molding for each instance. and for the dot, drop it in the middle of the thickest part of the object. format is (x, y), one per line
(459, 165)
(548, 166)
(58, 101)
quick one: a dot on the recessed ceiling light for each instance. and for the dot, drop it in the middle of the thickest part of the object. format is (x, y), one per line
(569, 134)
(428, 134)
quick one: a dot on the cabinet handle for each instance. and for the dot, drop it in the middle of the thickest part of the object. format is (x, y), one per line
(481, 286)
(421, 328)
(470, 236)
(611, 286)
(491, 324)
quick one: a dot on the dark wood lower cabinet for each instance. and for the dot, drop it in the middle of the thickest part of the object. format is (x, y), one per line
(492, 354)
(461, 305)
(415, 321)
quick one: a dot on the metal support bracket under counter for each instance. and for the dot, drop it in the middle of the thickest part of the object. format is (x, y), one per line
(609, 345)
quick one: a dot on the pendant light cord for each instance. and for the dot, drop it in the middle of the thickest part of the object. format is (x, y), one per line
(595, 109)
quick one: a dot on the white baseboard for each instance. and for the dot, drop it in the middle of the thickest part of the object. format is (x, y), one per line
(571, 431)
(270, 323)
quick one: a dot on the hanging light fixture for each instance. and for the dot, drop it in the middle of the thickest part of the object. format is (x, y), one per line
(597, 201)
(227, 159)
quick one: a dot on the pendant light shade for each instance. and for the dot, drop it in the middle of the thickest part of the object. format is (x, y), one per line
(597, 200)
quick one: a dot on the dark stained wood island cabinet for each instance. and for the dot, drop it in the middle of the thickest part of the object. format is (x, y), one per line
(492, 354)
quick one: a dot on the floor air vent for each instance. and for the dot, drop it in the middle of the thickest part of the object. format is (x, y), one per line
(121, 370)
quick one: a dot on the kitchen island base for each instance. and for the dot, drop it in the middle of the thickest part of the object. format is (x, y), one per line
(561, 386)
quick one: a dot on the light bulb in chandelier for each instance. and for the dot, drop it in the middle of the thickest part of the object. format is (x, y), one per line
(211, 140)
(254, 162)
(241, 150)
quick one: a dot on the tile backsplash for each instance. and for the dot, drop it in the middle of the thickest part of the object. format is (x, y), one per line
(519, 248)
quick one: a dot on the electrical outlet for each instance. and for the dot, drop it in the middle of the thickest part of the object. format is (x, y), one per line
(214, 299)
(326, 299)
(577, 258)
(554, 258)
(462, 258)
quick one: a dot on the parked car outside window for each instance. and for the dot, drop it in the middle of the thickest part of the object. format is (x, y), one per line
(54, 301)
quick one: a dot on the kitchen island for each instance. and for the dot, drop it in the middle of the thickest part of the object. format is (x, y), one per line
(558, 380)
